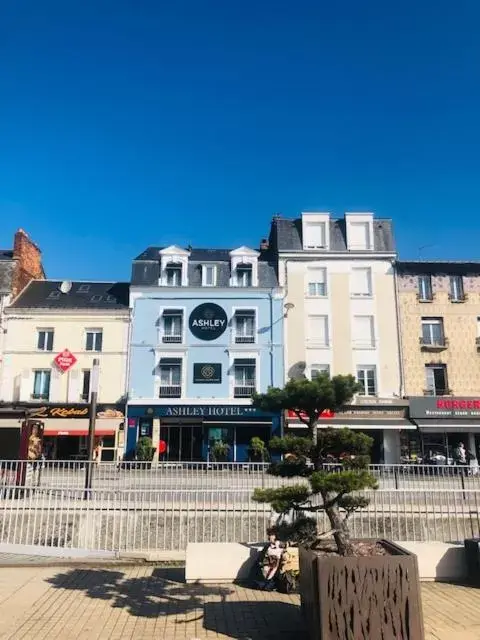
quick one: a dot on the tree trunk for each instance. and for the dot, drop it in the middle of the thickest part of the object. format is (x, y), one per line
(341, 535)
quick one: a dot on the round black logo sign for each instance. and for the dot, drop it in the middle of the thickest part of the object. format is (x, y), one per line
(207, 321)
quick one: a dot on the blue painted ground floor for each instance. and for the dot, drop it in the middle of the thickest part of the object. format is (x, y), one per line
(190, 432)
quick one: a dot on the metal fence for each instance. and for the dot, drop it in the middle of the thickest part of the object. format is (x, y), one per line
(47, 506)
(210, 475)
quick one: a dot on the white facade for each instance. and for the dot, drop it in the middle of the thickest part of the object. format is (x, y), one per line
(23, 357)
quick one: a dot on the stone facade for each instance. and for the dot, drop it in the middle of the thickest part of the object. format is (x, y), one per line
(461, 355)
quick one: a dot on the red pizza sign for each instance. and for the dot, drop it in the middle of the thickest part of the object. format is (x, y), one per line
(65, 360)
(325, 414)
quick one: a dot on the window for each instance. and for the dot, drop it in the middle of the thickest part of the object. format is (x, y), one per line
(436, 379)
(315, 235)
(317, 369)
(174, 275)
(317, 282)
(457, 293)
(172, 325)
(170, 371)
(244, 275)
(244, 326)
(54, 294)
(318, 330)
(244, 377)
(425, 288)
(209, 275)
(361, 282)
(432, 331)
(359, 236)
(96, 298)
(86, 385)
(94, 340)
(367, 378)
(83, 288)
(363, 332)
(41, 384)
(45, 339)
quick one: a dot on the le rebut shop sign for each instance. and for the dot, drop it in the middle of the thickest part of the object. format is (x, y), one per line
(444, 407)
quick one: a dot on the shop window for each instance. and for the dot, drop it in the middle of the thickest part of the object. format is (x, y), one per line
(367, 379)
(41, 384)
(436, 380)
(94, 340)
(425, 292)
(172, 326)
(244, 326)
(170, 373)
(45, 339)
(244, 377)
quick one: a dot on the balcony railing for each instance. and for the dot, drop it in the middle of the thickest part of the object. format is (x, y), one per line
(244, 391)
(437, 344)
(177, 338)
(437, 392)
(244, 339)
(40, 396)
(170, 391)
(425, 298)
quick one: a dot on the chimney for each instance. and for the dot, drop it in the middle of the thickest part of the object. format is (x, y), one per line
(264, 245)
(28, 265)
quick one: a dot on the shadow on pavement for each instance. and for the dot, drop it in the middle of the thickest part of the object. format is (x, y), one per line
(164, 593)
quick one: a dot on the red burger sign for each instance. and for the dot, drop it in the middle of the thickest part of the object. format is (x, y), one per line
(65, 360)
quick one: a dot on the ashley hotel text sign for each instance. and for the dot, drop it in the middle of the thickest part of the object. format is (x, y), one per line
(444, 407)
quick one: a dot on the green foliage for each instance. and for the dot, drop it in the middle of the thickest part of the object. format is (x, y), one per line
(144, 450)
(283, 499)
(257, 450)
(334, 490)
(220, 450)
(309, 398)
(302, 531)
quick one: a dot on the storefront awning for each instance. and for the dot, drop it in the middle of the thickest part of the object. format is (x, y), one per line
(338, 423)
(79, 427)
(442, 426)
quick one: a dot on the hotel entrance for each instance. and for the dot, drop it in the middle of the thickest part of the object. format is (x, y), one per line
(184, 442)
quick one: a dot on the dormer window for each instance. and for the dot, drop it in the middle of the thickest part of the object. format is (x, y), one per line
(209, 275)
(174, 267)
(174, 274)
(244, 267)
(315, 230)
(359, 231)
(244, 275)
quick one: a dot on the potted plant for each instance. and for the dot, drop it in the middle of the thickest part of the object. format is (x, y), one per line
(350, 589)
(257, 450)
(144, 452)
(220, 451)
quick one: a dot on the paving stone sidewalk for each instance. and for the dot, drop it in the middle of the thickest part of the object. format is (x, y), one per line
(145, 601)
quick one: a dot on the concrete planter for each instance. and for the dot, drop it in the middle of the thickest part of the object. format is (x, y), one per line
(348, 598)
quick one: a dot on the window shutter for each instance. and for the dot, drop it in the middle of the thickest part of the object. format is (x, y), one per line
(319, 329)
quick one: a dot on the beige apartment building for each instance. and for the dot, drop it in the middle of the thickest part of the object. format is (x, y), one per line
(54, 331)
(341, 316)
(439, 310)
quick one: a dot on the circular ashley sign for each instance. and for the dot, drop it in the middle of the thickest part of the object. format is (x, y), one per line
(207, 321)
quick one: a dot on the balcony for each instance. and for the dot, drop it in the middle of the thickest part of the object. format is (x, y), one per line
(170, 391)
(428, 298)
(437, 392)
(244, 339)
(40, 396)
(439, 344)
(243, 392)
(462, 297)
(172, 339)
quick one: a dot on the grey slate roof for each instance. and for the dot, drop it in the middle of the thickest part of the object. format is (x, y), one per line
(146, 268)
(286, 235)
(437, 267)
(7, 264)
(45, 294)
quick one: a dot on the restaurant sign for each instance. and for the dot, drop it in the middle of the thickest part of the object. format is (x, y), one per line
(76, 411)
(292, 415)
(444, 407)
(65, 360)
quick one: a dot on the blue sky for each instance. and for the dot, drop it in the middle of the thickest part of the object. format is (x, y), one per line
(124, 124)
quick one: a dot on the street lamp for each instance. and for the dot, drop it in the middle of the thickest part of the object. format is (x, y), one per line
(91, 426)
